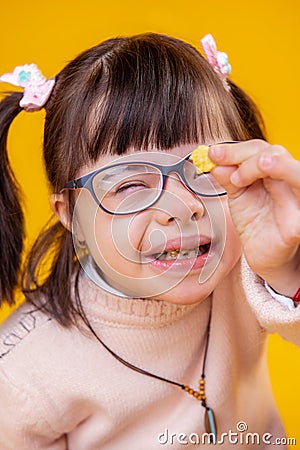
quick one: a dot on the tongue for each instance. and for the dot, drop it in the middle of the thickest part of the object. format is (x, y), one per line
(203, 249)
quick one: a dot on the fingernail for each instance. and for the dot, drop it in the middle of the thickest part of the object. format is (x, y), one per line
(217, 152)
(235, 179)
(266, 161)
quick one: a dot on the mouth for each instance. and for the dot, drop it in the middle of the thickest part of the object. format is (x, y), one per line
(182, 254)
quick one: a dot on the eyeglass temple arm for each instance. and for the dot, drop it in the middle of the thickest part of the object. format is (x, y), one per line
(76, 184)
(70, 185)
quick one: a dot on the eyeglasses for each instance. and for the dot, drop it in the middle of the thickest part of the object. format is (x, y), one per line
(132, 186)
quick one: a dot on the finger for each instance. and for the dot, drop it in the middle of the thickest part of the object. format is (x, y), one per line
(281, 167)
(223, 176)
(250, 169)
(269, 164)
(237, 153)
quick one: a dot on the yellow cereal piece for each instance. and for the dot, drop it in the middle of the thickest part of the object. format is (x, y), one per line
(201, 159)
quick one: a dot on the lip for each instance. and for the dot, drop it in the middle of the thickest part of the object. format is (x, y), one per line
(177, 243)
(180, 265)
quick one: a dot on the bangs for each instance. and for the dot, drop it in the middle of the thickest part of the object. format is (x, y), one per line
(145, 92)
(158, 95)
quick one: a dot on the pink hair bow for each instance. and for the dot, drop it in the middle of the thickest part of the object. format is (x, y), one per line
(37, 88)
(218, 60)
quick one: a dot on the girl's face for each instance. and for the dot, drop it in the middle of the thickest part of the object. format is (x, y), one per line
(176, 250)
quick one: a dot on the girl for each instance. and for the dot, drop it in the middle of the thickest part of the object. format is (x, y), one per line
(154, 296)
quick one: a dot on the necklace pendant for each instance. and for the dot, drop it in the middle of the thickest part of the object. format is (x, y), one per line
(210, 423)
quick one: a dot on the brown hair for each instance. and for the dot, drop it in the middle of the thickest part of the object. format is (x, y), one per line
(145, 91)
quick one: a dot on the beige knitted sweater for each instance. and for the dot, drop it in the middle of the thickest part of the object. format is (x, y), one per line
(60, 389)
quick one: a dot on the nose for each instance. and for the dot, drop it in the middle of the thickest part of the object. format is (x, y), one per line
(178, 203)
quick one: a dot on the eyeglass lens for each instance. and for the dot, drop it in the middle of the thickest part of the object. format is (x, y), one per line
(128, 188)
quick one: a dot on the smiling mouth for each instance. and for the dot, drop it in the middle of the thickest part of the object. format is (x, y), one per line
(183, 254)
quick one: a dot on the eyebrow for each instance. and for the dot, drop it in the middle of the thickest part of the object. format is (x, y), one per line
(122, 168)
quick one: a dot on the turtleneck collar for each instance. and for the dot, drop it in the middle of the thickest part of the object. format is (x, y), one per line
(103, 306)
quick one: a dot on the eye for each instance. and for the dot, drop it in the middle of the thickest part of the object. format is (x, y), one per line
(130, 186)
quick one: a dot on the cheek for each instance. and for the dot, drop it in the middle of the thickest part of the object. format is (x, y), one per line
(85, 224)
(114, 239)
(83, 217)
(110, 239)
(138, 231)
(128, 235)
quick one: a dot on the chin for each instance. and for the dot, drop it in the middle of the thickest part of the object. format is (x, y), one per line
(186, 293)
(189, 291)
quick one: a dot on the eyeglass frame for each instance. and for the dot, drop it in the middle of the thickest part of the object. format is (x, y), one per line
(86, 181)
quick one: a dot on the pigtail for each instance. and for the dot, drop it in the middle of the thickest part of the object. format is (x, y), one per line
(48, 277)
(11, 214)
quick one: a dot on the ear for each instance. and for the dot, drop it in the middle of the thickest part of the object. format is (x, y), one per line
(60, 207)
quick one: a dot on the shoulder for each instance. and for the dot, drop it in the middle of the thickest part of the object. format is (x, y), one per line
(24, 338)
(23, 323)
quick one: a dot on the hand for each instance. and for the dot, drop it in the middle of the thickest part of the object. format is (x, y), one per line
(263, 186)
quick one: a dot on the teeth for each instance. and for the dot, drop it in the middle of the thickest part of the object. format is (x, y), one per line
(182, 254)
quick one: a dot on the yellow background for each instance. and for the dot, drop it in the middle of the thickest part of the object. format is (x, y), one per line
(262, 40)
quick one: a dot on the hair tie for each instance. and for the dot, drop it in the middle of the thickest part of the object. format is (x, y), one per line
(218, 60)
(37, 89)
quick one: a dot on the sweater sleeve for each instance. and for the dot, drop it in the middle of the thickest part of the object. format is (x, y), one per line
(22, 422)
(274, 316)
